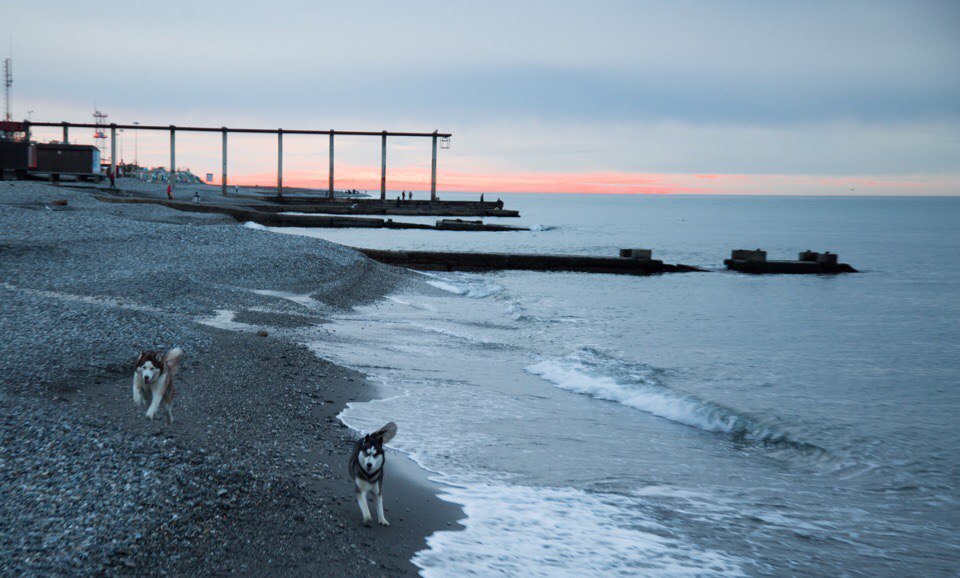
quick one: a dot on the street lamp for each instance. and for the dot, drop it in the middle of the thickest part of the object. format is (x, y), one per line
(136, 148)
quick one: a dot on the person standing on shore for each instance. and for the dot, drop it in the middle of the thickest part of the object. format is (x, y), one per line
(170, 191)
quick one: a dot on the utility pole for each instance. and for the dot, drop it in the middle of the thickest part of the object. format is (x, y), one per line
(7, 87)
(136, 147)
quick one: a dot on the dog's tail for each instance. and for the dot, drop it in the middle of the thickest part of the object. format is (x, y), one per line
(171, 361)
(386, 432)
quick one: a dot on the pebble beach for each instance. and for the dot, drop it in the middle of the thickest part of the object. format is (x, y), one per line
(251, 476)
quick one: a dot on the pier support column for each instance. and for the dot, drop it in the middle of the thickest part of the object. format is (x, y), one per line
(330, 191)
(280, 162)
(66, 133)
(383, 166)
(433, 170)
(173, 156)
(223, 170)
(113, 153)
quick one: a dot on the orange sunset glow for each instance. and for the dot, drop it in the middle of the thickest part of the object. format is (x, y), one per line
(367, 178)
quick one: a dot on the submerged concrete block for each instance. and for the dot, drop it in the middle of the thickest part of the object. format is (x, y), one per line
(638, 254)
(757, 255)
(828, 258)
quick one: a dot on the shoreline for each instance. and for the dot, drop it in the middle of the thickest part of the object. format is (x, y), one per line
(251, 477)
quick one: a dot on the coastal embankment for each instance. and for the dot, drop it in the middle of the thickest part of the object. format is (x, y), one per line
(251, 476)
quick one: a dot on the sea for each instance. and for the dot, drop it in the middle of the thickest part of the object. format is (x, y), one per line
(698, 424)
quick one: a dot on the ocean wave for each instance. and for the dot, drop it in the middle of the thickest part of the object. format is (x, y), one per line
(460, 336)
(474, 286)
(542, 228)
(590, 372)
(520, 530)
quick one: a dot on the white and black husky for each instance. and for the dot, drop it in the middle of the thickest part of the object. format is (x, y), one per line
(366, 469)
(154, 375)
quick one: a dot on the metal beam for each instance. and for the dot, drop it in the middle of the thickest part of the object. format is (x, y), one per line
(383, 166)
(66, 133)
(246, 130)
(280, 162)
(113, 153)
(330, 191)
(173, 156)
(433, 169)
(223, 175)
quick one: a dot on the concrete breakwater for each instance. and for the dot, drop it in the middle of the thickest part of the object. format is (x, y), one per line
(808, 262)
(443, 261)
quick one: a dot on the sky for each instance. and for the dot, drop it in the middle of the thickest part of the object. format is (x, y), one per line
(826, 98)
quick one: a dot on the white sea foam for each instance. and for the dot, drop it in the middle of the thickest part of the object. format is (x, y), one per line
(255, 226)
(420, 306)
(516, 311)
(539, 227)
(468, 337)
(520, 530)
(473, 286)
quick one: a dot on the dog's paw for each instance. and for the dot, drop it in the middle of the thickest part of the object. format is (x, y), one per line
(383, 522)
(368, 522)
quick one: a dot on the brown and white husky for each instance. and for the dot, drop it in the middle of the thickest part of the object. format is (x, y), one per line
(154, 375)
(366, 469)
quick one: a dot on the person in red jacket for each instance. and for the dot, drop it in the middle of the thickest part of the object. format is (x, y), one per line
(170, 192)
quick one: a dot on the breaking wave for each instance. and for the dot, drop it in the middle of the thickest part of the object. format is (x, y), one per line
(592, 373)
(474, 286)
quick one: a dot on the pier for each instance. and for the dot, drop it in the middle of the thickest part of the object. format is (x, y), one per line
(359, 206)
(268, 216)
(437, 138)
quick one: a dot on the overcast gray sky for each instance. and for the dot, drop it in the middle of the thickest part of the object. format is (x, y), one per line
(549, 89)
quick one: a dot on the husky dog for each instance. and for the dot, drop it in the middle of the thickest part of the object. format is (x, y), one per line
(154, 374)
(366, 469)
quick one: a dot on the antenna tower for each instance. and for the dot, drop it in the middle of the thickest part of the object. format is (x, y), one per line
(99, 133)
(7, 83)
